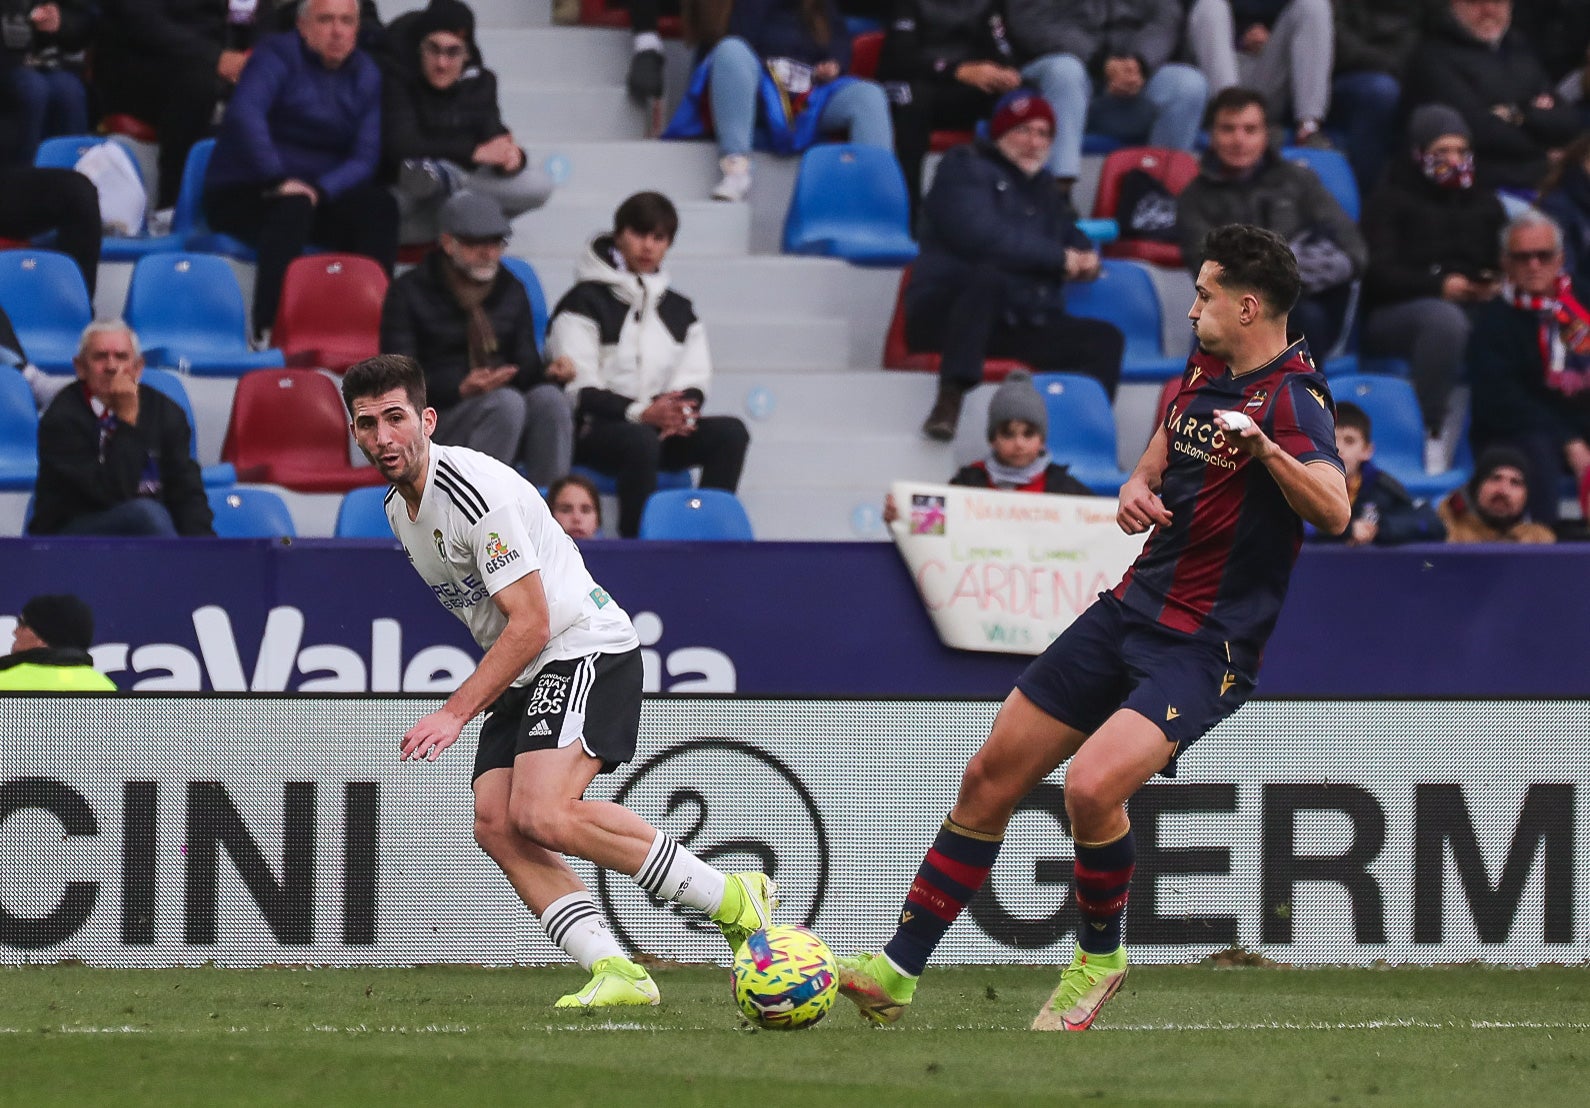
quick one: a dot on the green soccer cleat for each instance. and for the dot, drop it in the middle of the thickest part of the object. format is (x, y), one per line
(748, 903)
(881, 992)
(615, 983)
(1089, 981)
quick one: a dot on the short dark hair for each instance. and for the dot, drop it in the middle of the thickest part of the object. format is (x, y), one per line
(1351, 416)
(1234, 99)
(1258, 260)
(383, 373)
(647, 213)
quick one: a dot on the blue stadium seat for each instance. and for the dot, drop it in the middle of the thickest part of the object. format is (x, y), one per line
(242, 513)
(850, 202)
(19, 431)
(163, 380)
(1124, 295)
(188, 221)
(695, 515)
(189, 314)
(1081, 429)
(666, 479)
(362, 514)
(44, 294)
(1397, 427)
(538, 299)
(63, 152)
(1333, 170)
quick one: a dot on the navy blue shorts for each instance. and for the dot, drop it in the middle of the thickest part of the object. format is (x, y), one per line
(1113, 657)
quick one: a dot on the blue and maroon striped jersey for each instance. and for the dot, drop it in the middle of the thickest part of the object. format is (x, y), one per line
(1219, 572)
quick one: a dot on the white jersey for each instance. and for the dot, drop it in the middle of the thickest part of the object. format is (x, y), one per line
(480, 528)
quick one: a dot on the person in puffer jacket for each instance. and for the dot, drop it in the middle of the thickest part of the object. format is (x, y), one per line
(641, 366)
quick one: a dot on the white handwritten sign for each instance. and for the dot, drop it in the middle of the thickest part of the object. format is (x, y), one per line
(1008, 571)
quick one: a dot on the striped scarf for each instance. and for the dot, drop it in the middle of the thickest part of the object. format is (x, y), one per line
(1563, 334)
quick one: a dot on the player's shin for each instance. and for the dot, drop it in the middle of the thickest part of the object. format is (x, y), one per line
(1103, 880)
(956, 866)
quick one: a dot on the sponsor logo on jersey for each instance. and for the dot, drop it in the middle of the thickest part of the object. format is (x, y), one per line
(466, 594)
(600, 598)
(1171, 713)
(1319, 397)
(1200, 439)
(498, 553)
(1226, 682)
(540, 728)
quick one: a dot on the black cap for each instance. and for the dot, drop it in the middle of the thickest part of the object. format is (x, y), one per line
(62, 621)
(1495, 458)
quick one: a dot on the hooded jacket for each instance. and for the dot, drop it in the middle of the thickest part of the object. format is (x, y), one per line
(631, 338)
(1419, 233)
(1377, 36)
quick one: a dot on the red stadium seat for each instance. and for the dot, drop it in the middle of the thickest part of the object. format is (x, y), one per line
(129, 125)
(596, 13)
(865, 49)
(897, 355)
(289, 428)
(1175, 169)
(330, 311)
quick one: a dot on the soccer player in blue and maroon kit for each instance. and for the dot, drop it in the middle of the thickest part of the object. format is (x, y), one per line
(1246, 454)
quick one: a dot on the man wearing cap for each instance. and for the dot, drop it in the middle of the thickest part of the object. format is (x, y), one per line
(1492, 507)
(49, 649)
(467, 321)
(998, 243)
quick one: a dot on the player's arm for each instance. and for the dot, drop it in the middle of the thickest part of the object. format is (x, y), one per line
(1141, 507)
(1316, 490)
(524, 602)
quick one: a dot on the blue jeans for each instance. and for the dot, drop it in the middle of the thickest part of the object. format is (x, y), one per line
(1364, 110)
(860, 108)
(51, 102)
(1166, 113)
(139, 516)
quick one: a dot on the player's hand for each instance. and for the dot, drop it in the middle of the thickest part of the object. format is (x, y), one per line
(1243, 433)
(1141, 508)
(430, 736)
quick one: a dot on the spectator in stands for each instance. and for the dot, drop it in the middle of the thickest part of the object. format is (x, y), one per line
(1434, 253)
(467, 321)
(641, 367)
(296, 160)
(49, 649)
(1559, 32)
(41, 52)
(35, 201)
(1529, 360)
(1373, 41)
(577, 506)
(1574, 88)
(442, 129)
(792, 53)
(1018, 448)
(999, 242)
(172, 63)
(1493, 506)
(1282, 48)
(1241, 180)
(1471, 60)
(1106, 68)
(1565, 196)
(114, 454)
(1383, 512)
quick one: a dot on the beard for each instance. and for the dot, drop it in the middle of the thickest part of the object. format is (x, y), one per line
(1497, 521)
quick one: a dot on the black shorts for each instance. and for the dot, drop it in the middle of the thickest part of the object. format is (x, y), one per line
(1112, 657)
(594, 701)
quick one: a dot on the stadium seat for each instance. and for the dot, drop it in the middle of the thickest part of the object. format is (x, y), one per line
(44, 294)
(850, 202)
(695, 515)
(1334, 172)
(163, 380)
(330, 311)
(666, 479)
(1397, 426)
(1082, 429)
(289, 428)
(598, 13)
(19, 432)
(188, 220)
(1124, 295)
(897, 355)
(865, 51)
(250, 514)
(1174, 168)
(538, 299)
(362, 514)
(63, 152)
(120, 123)
(189, 314)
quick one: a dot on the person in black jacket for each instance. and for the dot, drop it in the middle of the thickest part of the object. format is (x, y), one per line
(44, 44)
(998, 244)
(467, 321)
(1434, 239)
(115, 455)
(1373, 41)
(1473, 61)
(1384, 514)
(442, 130)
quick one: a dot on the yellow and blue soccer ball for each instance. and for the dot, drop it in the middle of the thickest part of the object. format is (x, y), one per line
(784, 978)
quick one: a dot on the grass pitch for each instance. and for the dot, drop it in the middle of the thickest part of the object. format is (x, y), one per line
(70, 1035)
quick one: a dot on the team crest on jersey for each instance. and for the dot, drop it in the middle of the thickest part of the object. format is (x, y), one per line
(498, 553)
(1192, 375)
(441, 547)
(1256, 401)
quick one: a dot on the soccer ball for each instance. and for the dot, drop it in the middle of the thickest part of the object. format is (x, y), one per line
(784, 978)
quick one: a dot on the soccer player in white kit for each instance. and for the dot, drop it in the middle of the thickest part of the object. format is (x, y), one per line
(560, 684)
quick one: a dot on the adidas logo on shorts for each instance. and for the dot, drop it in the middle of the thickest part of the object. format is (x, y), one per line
(541, 728)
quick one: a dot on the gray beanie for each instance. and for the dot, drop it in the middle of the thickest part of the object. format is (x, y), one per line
(1431, 121)
(1016, 398)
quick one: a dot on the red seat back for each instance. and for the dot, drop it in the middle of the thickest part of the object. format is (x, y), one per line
(865, 50)
(1175, 169)
(289, 427)
(330, 311)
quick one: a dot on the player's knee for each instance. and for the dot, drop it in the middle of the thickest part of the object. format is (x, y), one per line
(493, 831)
(546, 825)
(987, 797)
(1090, 803)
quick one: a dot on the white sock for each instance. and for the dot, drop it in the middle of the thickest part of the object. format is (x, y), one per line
(648, 40)
(575, 924)
(673, 873)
